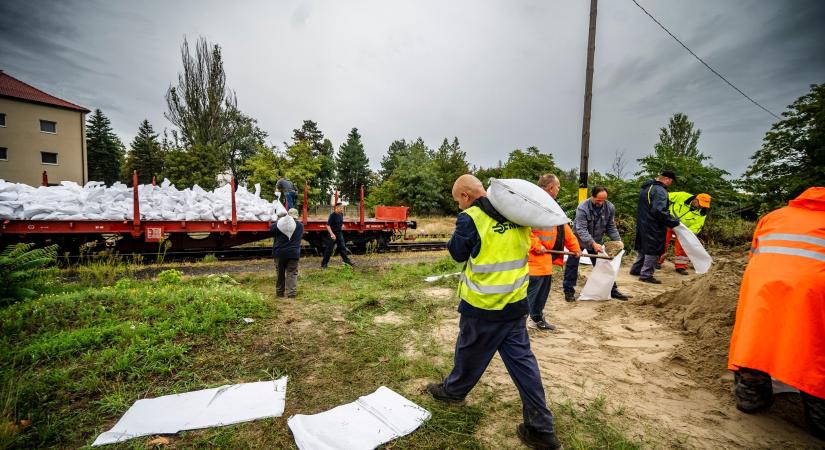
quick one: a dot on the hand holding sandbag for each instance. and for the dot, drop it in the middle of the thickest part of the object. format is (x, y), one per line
(525, 204)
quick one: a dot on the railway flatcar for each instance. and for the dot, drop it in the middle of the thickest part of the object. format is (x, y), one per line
(146, 236)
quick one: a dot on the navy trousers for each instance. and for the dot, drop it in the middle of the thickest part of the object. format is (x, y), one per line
(478, 340)
(330, 246)
(537, 292)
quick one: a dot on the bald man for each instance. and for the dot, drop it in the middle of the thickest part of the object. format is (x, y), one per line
(493, 309)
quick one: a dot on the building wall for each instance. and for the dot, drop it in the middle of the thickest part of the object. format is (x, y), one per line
(24, 141)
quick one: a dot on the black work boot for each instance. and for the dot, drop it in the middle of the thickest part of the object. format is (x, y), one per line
(618, 295)
(753, 391)
(570, 296)
(438, 393)
(814, 414)
(537, 440)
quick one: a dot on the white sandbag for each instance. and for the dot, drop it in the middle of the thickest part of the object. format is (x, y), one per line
(225, 405)
(693, 247)
(601, 279)
(286, 225)
(363, 424)
(526, 204)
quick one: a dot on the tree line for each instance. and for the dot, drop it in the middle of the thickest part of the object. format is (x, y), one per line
(211, 137)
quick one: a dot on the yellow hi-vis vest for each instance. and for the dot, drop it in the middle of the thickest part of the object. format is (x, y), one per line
(499, 274)
(692, 219)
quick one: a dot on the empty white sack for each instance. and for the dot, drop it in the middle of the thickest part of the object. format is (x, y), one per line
(693, 247)
(601, 279)
(225, 405)
(363, 424)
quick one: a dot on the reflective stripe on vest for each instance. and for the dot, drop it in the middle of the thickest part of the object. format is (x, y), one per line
(777, 248)
(498, 288)
(793, 251)
(499, 274)
(498, 267)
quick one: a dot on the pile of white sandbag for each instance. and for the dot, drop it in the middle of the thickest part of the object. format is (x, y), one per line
(96, 201)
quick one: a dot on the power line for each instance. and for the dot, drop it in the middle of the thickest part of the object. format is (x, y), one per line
(704, 63)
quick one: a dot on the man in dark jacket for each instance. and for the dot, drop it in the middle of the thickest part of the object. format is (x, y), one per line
(335, 226)
(287, 251)
(652, 221)
(493, 309)
(287, 189)
(595, 217)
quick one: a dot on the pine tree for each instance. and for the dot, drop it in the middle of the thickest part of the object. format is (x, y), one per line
(145, 155)
(390, 161)
(449, 162)
(321, 149)
(104, 150)
(353, 167)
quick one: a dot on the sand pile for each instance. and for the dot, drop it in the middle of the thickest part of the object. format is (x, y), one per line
(705, 307)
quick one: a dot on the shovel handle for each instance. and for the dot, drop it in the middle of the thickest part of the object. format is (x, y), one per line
(560, 252)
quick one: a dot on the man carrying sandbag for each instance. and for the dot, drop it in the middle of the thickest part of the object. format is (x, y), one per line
(541, 261)
(595, 217)
(493, 308)
(691, 210)
(652, 221)
(287, 189)
(780, 318)
(286, 249)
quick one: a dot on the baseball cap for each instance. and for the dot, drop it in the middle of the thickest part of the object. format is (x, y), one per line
(670, 174)
(293, 212)
(704, 200)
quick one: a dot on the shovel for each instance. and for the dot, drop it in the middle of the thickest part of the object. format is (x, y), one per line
(560, 252)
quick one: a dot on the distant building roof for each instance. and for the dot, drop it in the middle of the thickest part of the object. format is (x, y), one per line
(13, 88)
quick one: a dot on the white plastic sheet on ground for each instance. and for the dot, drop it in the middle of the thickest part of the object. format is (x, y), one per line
(601, 279)
(364, 424)
(693, 247)
(96, 201)
(214, 407)
(526, 204)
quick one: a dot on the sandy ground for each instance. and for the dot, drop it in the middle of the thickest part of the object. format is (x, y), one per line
(660, 356)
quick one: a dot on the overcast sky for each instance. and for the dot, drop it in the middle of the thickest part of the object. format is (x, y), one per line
(499, 75)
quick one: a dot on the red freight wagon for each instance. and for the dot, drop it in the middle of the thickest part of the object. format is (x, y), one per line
(136, 235)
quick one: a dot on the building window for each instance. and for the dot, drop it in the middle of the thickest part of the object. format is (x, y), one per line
(47, 126)
(48, 158)
(2, 119)
(4, 154)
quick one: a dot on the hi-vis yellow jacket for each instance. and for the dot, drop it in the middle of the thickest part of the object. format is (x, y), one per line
(498, 275)
(680, 208)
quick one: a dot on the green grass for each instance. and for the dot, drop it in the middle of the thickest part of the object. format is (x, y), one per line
(78, 359)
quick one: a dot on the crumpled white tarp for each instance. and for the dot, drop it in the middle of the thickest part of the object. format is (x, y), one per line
(693, 247)
(601, 279)
(96, 201)
(526, 204)
(225, 405)
(365, 423)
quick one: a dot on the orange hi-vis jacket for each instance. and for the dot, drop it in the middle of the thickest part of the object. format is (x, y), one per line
(542, 263)
(780, 318)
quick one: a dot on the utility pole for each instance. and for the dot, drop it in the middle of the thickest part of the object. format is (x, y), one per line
(588, 97)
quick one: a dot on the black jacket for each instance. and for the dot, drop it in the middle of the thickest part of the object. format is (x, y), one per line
(287, 248)
(466, 242)
(653, 218)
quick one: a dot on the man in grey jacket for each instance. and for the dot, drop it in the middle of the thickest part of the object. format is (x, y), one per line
(595, 217)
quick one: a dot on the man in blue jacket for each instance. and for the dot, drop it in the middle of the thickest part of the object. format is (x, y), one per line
(595, 217)
(287, 251)
(493, 308)
(652, 221)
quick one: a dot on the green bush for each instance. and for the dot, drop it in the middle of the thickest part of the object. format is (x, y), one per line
(24, 271)
(731, 231)
(169, 276)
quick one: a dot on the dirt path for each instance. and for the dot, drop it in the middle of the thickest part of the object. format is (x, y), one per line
(673, 387)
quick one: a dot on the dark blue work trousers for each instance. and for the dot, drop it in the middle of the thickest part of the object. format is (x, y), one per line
(571, 272)
(478, 340)
(330, 246)
(537, 292)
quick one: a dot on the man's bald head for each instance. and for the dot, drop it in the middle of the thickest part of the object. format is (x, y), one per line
(467, 189)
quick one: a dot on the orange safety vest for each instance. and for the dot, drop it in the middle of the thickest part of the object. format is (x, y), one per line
(780, 318)
(542, 263)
